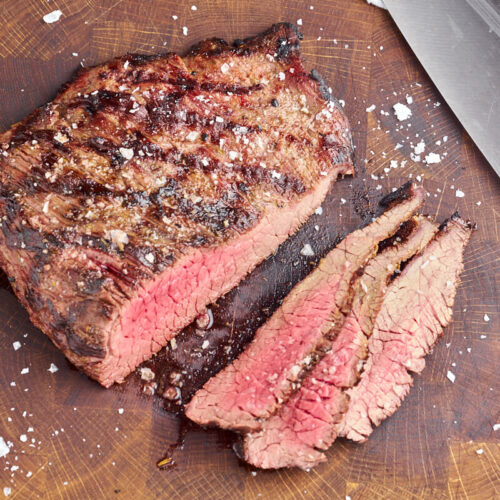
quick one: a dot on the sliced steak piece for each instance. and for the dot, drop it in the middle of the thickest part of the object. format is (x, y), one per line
(254, 386)
(307, 422)
(416, 308)
(152, 185)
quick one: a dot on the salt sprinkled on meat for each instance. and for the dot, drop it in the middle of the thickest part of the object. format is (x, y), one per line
(127, 153)
(402, 111)
(52, 17)
(409, 99)
(4, 449)
(369, 109)
(24, 371)
(147, 374)
(7, 491)
(480, 451)
(53, 368)
(486, 318)
(319, 211)
(459, 194)
(117, 236)
(451, 376)
(299, 22)
(307, 250)
(184, 30)
(120, 411)
(496, 427)
(16, 345)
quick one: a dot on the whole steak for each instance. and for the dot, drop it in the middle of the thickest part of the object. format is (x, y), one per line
(151, 186)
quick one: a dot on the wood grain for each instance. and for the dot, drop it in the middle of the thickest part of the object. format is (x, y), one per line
(83, 447)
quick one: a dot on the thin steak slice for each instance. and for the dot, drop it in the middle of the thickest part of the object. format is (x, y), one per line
(416, 308)
(307, 422)
(263, 376)
(152, 185)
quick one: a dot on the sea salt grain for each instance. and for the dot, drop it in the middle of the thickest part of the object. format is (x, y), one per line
(459, 194)
(402, 111)
(16, 345)
(127, 153)
(120, 411)
(52, 17)
(53, 368)
(451, 376)
(369, 109)
(299, 22)
(307, 250)
(432, 158)
(24, 371)
(486, 318)
(480, 451)
(4, 449)
(496, 427)
(184, 30)
(7, 491)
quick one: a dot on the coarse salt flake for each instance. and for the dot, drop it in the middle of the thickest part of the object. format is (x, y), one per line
(420, 147)
(402, 111)
(150, 258)
(459, 194)
(120, 411)
(7, 491)
(16, 345)
(307, 250)
(127, 153)
(147, 374)
(432, 158)
(24, 371)
(117, 236)
(480, 451)
(486, 318)
(224, 68)
(205, 344)
(184, 30)
(369, 109)
(496, 427)
(4, 449)
(53, 368)
(299, 22)
(23, 438)
(451, 376)
(52, 17)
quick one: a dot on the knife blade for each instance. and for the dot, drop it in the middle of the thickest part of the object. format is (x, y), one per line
(456, 43)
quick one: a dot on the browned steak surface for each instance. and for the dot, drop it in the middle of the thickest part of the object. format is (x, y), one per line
(151, 185)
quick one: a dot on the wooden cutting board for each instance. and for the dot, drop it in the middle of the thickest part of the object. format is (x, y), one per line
(72, 439)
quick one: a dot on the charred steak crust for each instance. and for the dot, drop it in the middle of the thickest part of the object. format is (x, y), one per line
(128, 202)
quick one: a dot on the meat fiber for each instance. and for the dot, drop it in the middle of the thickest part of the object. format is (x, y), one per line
(416, 308)
(252, 388)
(152, 185)
(307, 423)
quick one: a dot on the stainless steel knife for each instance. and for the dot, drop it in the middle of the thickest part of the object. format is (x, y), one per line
(458, 43)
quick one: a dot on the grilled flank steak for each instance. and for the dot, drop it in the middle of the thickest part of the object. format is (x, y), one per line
(151, 186)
